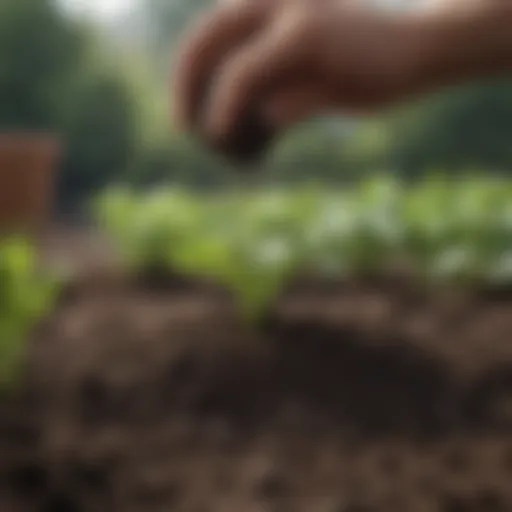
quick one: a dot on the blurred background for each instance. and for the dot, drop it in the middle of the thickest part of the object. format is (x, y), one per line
(97, 74)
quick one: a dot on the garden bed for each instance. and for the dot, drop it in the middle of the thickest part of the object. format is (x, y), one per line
(353, 397)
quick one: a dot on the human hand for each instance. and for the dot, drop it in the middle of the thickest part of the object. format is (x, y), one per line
(250, 68)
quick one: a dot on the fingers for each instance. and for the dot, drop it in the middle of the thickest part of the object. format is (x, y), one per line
(211, 39)
(259, 68)
(298, 102)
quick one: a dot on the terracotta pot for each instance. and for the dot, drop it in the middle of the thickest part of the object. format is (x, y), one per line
(27, 178)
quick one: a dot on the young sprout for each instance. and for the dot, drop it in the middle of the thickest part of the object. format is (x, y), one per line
(255, 240)
(25, 296)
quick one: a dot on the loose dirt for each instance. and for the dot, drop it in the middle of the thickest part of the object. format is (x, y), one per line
(352, 398)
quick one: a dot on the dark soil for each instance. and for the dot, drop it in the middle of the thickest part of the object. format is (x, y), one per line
(354, 398)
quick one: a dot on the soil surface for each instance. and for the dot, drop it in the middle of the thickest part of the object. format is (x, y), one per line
(353, 398)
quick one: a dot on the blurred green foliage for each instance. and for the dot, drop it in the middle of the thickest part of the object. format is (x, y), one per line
(461, 128)
(26, 295)
(100, 123)
(38, 54)
(253, 242)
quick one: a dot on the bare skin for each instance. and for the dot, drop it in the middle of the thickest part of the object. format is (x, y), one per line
(287, 60)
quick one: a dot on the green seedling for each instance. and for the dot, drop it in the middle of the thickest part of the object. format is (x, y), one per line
(254, 241)
(25, 296)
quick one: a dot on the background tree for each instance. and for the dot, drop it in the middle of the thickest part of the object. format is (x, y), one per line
(38, 55)
(467, 127)
(55, 76)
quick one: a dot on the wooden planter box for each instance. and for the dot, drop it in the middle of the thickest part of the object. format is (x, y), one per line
(27, 177)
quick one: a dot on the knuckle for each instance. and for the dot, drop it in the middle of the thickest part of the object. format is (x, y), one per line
(308, 23)
(299, 21)
(302, 30)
